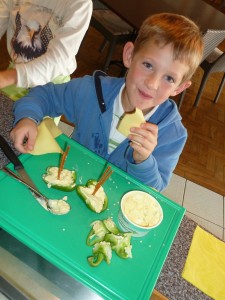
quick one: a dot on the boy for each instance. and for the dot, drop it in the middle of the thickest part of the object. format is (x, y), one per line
(160, 63)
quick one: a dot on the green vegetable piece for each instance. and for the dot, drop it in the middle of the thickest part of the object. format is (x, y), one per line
(97, 202)
(120, 243)
(111, 226)
(66, 183)
(101, 251)
(97, 233)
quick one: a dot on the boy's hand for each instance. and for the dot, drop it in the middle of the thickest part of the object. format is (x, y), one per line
(24, 135)
(143, 141)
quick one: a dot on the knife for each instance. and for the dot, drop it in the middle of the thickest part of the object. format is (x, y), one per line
(35, 192)
(18, 166)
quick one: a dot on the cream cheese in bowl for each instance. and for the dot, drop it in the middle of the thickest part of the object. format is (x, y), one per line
(139, 213)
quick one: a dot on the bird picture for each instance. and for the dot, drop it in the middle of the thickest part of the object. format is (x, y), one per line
(30, 39)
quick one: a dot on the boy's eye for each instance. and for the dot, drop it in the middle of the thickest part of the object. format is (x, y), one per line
(170, 79)
(147, 65)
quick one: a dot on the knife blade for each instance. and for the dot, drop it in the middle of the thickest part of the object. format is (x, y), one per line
(18, 166)
(34, 191)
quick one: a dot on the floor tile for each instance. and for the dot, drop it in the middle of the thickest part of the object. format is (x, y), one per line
(223, 212)
(204, 203)
(3, 297)
(209, 226)
(224, 217)
(175, 189)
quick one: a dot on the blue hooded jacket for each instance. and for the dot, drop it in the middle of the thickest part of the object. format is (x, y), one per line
(77, 100)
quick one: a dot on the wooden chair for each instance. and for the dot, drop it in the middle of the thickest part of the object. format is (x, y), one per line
(214, 63)
(114, 30)
(220, 2)
(212, 38)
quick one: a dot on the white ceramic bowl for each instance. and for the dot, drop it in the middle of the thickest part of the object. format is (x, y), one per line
(139, 213)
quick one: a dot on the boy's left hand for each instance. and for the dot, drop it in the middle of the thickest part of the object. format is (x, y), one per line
(143, 141)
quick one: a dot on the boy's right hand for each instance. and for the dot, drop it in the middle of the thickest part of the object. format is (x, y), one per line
(24, 135)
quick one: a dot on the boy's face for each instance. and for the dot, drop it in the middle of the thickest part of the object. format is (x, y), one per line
(153, 76)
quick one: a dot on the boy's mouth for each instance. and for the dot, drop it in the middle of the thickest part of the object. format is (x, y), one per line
(144, 95)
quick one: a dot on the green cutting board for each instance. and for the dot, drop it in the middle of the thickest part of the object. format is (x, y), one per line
(61, 239)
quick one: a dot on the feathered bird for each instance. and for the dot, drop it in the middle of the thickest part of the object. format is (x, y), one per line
(30, 39)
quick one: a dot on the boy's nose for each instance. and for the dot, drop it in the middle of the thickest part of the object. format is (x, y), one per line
(152, 82)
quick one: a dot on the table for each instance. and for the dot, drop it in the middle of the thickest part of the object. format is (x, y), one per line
(6, 123)
(54, 282)
(19, 262)
(135, 11)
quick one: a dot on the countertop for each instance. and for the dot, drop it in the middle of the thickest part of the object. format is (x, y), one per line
(170, 282)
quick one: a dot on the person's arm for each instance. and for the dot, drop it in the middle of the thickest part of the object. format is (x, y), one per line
(54, 100)
(48, 100)
(29, 111)
(8, 77)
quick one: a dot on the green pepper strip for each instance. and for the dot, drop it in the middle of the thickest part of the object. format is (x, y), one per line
(98, 235)
(94, 261)
(119, 243)
(111, 226)
(101, 251)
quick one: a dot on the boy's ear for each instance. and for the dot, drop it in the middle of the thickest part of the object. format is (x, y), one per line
(181, 88)
(128, 54)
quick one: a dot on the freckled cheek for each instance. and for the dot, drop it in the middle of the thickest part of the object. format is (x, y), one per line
(131, 81)
(163, 93)
(136, 78)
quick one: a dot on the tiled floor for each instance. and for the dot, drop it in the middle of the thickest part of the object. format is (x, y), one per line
(205, 207)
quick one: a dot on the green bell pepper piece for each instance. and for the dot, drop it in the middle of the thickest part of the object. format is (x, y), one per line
(120, 243)
(97, 202)
(101, 251)
(111, 226)
(97, 233)
(66, 183)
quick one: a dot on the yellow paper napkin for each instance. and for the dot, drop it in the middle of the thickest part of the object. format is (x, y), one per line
(45, 142)
(205, 264)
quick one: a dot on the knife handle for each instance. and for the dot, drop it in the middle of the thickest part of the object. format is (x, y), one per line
(10, 154)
